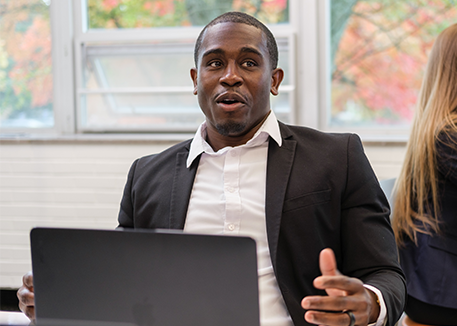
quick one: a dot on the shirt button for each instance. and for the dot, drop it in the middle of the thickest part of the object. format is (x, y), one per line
(231, 227)
(230, 189)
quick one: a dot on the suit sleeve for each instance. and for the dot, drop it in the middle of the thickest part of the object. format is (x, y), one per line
(369, 250)
(126, 212)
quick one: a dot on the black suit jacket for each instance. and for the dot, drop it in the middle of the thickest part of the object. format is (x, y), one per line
(320, 192)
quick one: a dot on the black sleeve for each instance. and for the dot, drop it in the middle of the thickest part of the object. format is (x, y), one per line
(125, 218)
(369, 247)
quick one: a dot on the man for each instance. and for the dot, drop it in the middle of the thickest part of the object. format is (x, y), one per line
(295, 190)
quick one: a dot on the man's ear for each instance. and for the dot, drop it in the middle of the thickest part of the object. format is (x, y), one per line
(276, 78)
(193, 75)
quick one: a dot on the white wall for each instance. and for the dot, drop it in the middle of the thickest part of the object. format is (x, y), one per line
(80, 183)
(386, 158)
(67, 184)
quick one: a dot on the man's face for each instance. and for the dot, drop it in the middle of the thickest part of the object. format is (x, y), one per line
(234, 78)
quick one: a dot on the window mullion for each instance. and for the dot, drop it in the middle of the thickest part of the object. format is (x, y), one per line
(306, 17)
(63, 69)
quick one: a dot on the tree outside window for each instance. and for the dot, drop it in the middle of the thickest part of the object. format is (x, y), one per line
(379, 49)
(169, 13)
(25, 64)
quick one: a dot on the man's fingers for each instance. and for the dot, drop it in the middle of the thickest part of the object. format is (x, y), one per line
(332, 304)
(26, 302)
(330, 310)
(28, 311)
(327, 265)
(325, 318)
(26, 297)
(349, 285)
(27, 280)
(327, 262)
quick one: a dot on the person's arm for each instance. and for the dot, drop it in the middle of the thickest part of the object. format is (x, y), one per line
(125, 217)
(27, 297)
(368, 252)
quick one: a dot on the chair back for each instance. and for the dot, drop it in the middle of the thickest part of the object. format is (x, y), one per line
(388, 186)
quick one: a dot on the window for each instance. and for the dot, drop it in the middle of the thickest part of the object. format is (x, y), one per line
(145, 87)
(172, 13)
(135, 56)
(123, 65)
(378, 52)
(26, 80)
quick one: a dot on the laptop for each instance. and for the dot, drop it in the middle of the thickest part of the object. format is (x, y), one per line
(143, 277)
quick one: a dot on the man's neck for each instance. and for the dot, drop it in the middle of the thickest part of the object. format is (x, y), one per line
(218, 141)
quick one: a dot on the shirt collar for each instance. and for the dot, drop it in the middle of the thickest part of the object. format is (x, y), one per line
(270, 127)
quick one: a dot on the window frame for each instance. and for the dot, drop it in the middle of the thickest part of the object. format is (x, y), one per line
(84, 36)
(388, 133)
(63, 66)
(307, 33)
(62, 75)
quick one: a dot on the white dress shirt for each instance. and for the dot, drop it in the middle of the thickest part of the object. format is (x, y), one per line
(228, 197)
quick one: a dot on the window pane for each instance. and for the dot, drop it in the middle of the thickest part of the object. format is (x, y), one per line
(25, 64)
(168, 13)
(148, 87)
(150, 65)
(140, 112)
(158, 112)
(139, 87)
(379, 52)
(281, 106)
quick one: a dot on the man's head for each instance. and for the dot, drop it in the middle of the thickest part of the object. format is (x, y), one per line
(241, 18)
(233, 78)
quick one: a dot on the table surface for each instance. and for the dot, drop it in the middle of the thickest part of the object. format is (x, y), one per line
(13, 318)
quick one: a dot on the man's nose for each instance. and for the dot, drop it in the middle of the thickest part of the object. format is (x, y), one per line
(231, 76)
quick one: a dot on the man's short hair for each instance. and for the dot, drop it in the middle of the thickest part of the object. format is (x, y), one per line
(242, 18)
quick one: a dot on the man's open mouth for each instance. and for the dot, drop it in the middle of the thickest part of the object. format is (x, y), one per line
(230, 99)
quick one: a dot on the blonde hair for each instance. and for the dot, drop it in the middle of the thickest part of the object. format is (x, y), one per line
(436, 114)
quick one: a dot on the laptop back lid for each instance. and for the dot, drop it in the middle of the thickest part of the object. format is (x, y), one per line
(144, 277)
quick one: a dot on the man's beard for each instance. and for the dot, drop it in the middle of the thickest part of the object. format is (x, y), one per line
(230, 128)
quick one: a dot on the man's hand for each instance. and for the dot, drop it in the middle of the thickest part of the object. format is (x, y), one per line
(344, 294)
(27, 297)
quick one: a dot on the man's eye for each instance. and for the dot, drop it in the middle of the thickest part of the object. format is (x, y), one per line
(249, 63)
(215, 64)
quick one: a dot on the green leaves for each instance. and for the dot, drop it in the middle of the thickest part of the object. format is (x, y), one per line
(173, 13)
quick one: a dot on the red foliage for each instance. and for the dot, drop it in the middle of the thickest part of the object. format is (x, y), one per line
(109, 5)
(161, 7)
(164, 7)
(276, 4)
(32, 54)
(380, 62)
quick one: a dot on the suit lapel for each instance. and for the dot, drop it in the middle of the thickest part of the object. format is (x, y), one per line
(279, 165)
(183, 181)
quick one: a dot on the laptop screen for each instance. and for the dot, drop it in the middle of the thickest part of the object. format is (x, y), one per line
(144, 277)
